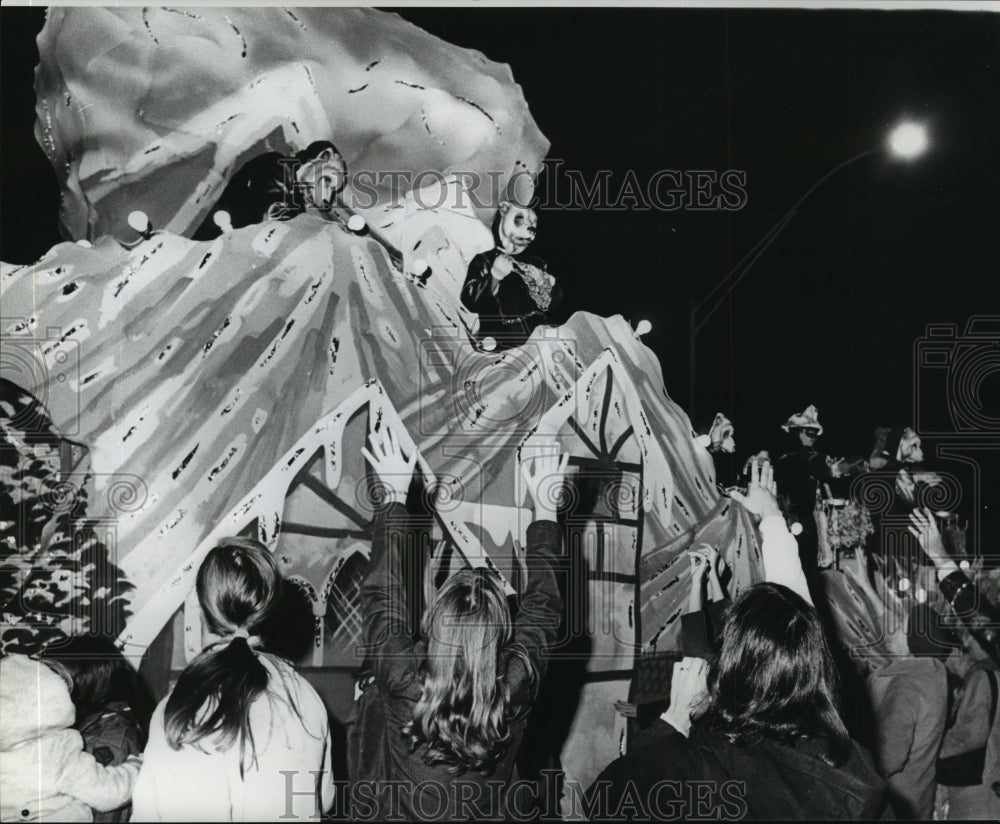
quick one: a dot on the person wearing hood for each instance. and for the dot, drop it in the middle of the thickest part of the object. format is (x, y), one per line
(45, 774)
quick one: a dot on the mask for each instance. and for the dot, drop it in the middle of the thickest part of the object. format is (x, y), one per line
(722, 434)
(516, 229)
(322, 179)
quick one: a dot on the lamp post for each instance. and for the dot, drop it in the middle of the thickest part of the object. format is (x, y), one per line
(906, 141)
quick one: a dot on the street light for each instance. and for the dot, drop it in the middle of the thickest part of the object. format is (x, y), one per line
(907, 141)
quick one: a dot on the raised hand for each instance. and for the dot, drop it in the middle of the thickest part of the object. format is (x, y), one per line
(906, 486)
(761, 497)
(544, 475)
(715, 567)
(923, 526)
(688, 692)
(701, 562)
(394, 469)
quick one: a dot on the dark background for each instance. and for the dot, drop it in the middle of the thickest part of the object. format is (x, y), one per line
(830, 314)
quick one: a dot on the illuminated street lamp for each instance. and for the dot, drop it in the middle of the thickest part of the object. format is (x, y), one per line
(907, 141)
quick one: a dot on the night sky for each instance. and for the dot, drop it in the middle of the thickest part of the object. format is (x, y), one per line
(831, 311)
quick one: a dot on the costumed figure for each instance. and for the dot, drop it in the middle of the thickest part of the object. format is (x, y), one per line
(512, 294)
(798, 473)
(249, 361)
(717, 438)
(898, 452)
(901, 449)
(275, 187)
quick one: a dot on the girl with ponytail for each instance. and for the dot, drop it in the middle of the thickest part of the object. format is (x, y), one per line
(455, 700)
(242, 736)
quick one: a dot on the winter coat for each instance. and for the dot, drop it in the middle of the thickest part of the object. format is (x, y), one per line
(666, 776)
(970, 731)
(45, 775)
(909, 698)
(434, 792)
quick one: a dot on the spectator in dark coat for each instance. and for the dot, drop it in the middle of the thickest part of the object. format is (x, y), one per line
(910, 703)
(771, 745)
(455, 703)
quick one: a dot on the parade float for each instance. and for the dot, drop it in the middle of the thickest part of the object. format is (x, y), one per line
(191, 389)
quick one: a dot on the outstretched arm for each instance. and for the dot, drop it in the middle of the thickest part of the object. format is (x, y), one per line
(385, 625)
(716, 592)
(539, 616)
(782, 564)
(699, 571)
(697, 625)
(97, 786)
(955, 585)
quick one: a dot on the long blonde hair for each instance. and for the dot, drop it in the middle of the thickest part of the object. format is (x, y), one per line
(463, 717)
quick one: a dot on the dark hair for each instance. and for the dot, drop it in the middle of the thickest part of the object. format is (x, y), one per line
(314, 149)
(463, 716)
(775, 676)
(238, 585)
(101, 676)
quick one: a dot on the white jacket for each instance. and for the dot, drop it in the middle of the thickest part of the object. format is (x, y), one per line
(202, 783)
(45, 775)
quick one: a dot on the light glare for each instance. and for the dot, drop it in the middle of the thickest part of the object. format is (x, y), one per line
(908, 140)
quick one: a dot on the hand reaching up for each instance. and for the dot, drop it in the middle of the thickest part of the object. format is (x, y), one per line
(688, 692)
(544, 476)
(701, 561)
(906, 486)
(761, 497)
(394, 470)
(923, 526)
